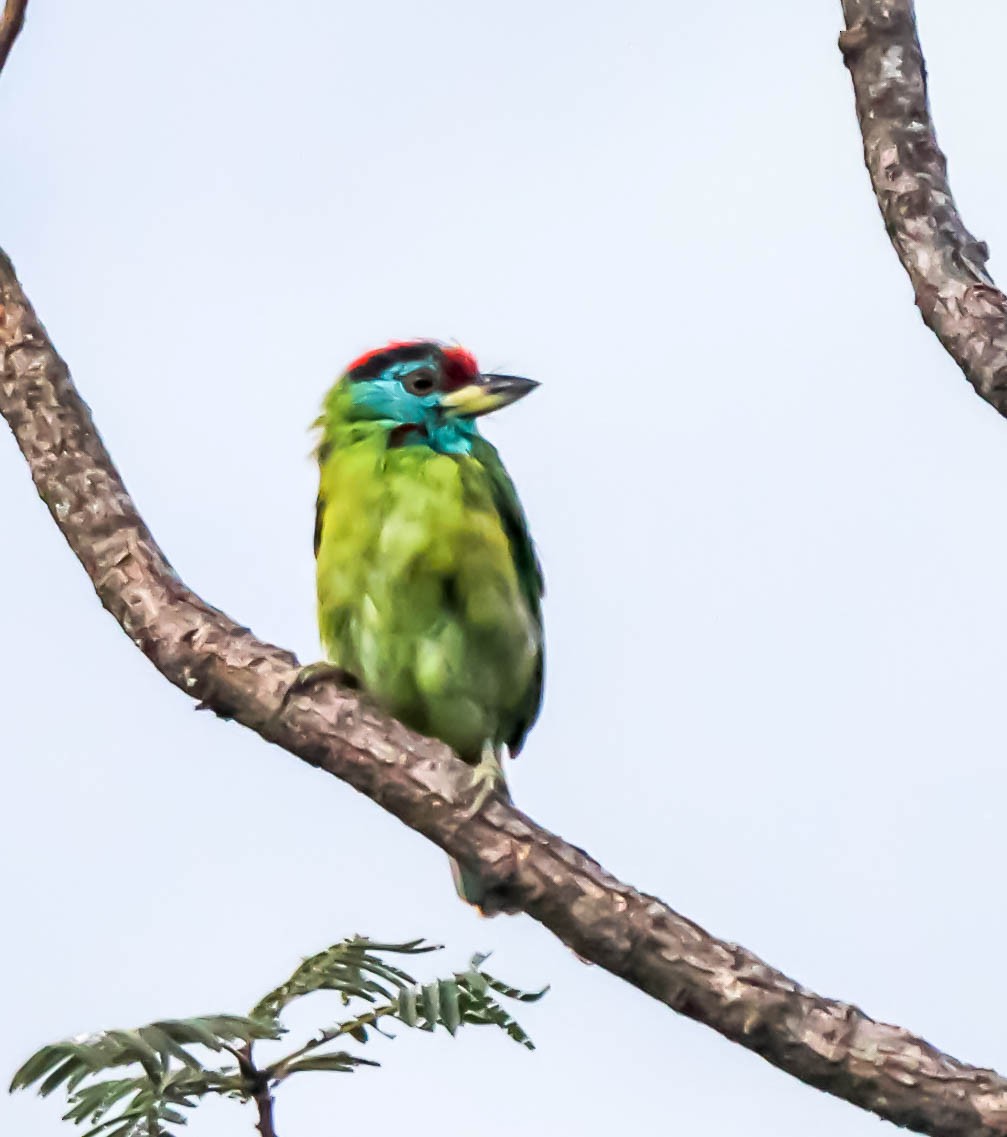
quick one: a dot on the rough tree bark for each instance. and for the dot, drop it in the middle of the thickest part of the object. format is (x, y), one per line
(945, 263)
(11, 23)
(830, 1045)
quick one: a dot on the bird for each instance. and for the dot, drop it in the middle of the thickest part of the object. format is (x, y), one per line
(429, 587)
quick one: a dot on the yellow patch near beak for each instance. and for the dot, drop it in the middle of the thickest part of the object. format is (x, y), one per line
(489, 394)
(473, 399)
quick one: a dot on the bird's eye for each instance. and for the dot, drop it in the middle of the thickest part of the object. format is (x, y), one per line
(420, 382)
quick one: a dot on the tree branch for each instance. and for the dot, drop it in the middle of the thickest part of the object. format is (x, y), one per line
(11, 23)
(946, 264)
(832, 1046)
(264, 1107)
(258, 1083)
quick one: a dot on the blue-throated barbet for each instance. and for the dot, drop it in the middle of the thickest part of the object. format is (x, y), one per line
(429, 589)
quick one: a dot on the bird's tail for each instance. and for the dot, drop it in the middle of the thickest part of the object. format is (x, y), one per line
(488, 900)
(469, 885)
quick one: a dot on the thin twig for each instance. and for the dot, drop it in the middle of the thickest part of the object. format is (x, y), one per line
(264, 1106)
(257, 1084)
(281, 1069)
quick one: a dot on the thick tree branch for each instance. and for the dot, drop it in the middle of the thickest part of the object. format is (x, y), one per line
(829, 1045)
(945, 263)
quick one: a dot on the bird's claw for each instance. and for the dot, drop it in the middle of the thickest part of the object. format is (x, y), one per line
(487, 778)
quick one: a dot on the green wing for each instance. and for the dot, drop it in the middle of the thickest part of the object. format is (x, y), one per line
(321, 453)
(529, 572)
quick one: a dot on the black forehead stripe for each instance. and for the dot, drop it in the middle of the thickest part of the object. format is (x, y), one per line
(411, 353)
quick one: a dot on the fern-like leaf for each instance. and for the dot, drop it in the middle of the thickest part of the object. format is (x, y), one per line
(175, 1057)
(173, 1077)
(351, 968)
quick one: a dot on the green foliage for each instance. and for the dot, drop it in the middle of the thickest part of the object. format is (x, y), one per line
(175, 1057)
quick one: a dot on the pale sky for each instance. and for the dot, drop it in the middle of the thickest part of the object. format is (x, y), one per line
(770, 509)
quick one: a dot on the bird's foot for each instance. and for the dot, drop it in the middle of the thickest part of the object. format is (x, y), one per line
(487, 778)
(320, 672)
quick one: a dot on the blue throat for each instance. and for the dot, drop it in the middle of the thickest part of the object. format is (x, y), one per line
(446, 436)
(413, 420)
